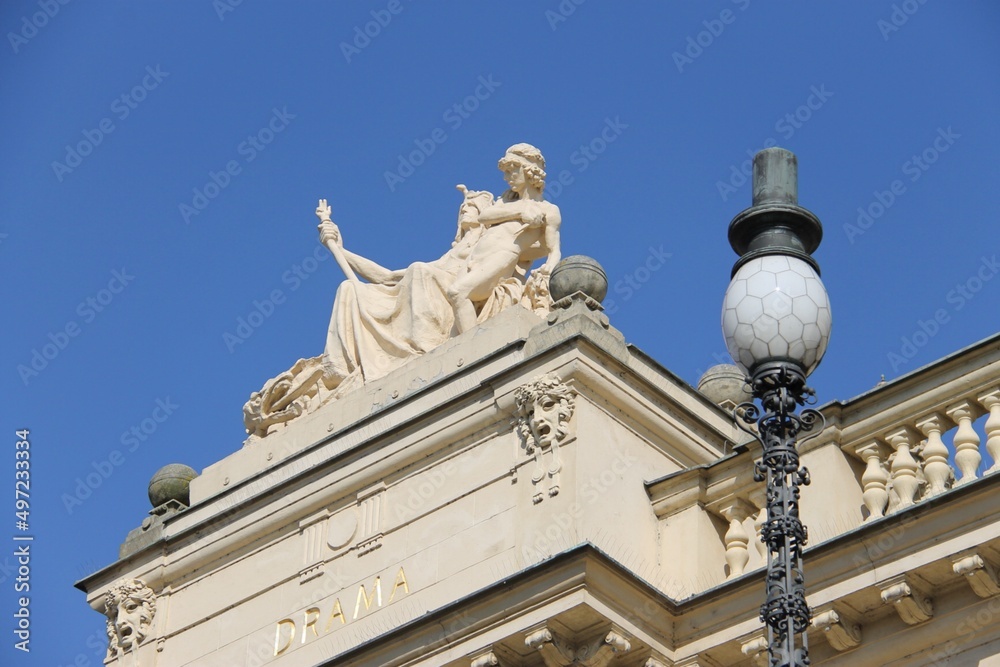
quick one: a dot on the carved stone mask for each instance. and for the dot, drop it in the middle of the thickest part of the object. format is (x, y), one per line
(132, 622)
(545, 406)
(130, 606)
(544, 419)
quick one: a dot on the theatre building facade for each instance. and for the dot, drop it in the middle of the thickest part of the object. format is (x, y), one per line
(534, 491)
(538, 492)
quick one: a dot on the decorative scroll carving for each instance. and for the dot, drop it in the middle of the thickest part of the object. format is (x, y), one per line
(371, 503)
(130, 606)
(982, 576)
(755, 648)
(912, 604)
(487, 659)
(842, 632)
(496, 655)
(544, 408)
(557, 652)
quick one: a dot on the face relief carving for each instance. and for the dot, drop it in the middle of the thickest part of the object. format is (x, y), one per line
(544, 408)
(545, 419)
(130, 606)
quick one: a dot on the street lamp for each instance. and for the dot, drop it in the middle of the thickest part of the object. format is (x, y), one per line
(776, 320)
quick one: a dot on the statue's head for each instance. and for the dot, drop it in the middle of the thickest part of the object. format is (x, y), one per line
(529, 159)
(130, 606)
(474, 203)
(544, 408)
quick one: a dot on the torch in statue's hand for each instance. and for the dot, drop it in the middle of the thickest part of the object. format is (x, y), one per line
(329, 235)
(323, 211)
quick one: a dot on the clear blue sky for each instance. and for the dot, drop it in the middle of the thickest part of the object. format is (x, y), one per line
(115, 113)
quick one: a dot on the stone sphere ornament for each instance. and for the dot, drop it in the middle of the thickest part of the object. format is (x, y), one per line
(725, 385)
(578, 273)
(776, 309)
(171, 482)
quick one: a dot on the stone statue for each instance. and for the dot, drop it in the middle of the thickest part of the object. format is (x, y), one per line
(519, 228)
(130, 606)
(382, 318)
(544, 408)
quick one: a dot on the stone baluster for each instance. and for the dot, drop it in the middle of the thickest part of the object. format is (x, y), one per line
(737, 540)
(874, 479)
(937, 471)
(991, 401)
(904, 468)
(967, 456)
(759, 499)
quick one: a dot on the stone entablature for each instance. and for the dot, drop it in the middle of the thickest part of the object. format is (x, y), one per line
(419, 499)
(435, 484)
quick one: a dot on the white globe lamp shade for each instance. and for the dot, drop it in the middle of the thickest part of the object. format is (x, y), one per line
(776, 309)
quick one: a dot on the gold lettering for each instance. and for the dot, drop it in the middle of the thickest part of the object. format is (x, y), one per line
(309, 622)
(363, 595)
(277, 636)
(334, 613)
(400, 581)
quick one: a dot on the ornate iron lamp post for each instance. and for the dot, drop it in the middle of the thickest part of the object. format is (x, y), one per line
(776, 320)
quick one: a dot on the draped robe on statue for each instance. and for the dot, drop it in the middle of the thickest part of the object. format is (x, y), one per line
(375, 328)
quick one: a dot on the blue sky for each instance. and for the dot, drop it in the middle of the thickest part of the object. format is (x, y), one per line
(162, 161)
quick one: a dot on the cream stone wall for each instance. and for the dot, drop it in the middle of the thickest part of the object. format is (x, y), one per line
(419, 487)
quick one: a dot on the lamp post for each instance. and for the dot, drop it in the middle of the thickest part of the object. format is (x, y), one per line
(776, 320)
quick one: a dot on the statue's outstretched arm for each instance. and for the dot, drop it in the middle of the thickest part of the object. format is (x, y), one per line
(372, 271)
(329, 235)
